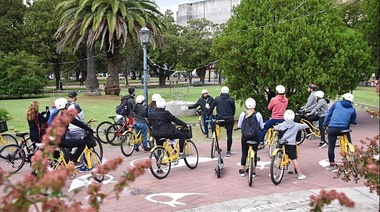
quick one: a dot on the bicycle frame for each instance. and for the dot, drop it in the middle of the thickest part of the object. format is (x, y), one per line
(313, 129)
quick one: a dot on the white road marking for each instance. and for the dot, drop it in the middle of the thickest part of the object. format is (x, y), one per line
(174, 196)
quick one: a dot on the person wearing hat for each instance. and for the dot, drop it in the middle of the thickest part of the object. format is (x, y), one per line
(225, 110)
(75, 131)
(204, 102)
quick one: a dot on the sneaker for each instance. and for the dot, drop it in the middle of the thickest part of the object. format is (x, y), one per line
(182, 155)
(301, 177)
(137, 149)
(228, 154)
(331, 169)
(241, 172)
(78, 164)
(206, 135)
(308, 136)
(322, 144)
(261, 146)
(84, 169)
(146, 149)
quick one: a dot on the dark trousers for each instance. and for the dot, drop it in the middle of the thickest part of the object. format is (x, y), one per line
(333, 133)
(206, 122)
(320, 125)
(70, 143)
(228, 124)
(268, 124)
(244, 150)
(177, 135)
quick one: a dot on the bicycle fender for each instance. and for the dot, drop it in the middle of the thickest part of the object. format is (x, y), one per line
(275, 152)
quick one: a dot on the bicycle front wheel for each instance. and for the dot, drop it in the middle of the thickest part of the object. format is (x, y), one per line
(113, 134)
(12, 158)
(213, 147)
(8, 139)
(191, 152)
(276, 170)
(201, 125)
(127, 146)
(161, 164)
(101, 131)
(272, 147)
(93, 164)
(98, 148)
(302, 137)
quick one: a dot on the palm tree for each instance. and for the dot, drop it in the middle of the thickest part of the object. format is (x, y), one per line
(111, 23)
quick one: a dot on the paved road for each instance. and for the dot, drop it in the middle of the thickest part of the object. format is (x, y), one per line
(201, 190)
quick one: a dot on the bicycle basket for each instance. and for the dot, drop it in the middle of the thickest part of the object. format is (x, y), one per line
(188, 131)
(3, 126)
(90, 140)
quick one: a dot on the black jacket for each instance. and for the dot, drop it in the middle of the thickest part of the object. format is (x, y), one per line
(33, 128)
(202, 102)
(225, 107)
(161, 123)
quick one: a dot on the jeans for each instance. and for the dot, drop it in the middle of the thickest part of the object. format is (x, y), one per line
(268, 124)
(143, 127)
(205, 123)
(333, 133)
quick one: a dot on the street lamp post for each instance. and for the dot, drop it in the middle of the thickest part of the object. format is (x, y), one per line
(145, 35)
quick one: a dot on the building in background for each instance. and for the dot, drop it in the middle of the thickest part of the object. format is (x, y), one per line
(216, 11)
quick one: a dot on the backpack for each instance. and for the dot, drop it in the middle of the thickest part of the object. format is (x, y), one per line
(122, 108)
(250, 127)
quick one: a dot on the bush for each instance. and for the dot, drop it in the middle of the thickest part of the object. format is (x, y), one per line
(4, 115)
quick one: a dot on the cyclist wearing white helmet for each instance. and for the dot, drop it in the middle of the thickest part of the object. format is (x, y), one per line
(246, 121)
(338, 118)
(204, 103)
(161, 126)
(140, 115)
(62, 104)
(291, 128)
(318, 111)
(225, 110)
(277, 105)
(152, 105)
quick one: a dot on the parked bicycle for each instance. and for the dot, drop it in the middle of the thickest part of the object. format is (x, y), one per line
(101, 129)
(115, 132)
(164, 156)
(6, 139)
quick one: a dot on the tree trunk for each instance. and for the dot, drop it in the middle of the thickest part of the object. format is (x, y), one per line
(92, 84)
(112, 85)
(161, 80)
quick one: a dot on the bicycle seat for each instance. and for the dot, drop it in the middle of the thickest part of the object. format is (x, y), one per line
(282, 142)
(22, 134)
(345, 131)
(163, 139)
(111, 117)
(252, 142)
(218, 121)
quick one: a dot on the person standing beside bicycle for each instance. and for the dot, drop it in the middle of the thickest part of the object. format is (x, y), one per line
(130, 104)
(140, 116)
(204, 102)
(317, 112)
(75, 131)
(277, 105)
(37, 121)
(338, 118)
(290, 135)
(161, 126)
(244, 119)
(225, 110)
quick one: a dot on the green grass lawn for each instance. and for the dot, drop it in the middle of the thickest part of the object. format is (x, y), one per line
(100, 107)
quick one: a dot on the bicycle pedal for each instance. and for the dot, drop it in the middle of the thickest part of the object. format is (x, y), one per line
(258, 158)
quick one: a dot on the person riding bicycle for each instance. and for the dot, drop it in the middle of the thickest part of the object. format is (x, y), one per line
(74, 131)
(140, 116)
(62, 105)
(161, 126)
(290, 134)
(318, 112)
(277, 105)
(204, 102)
(338, 118)
(225, 110)
(311, 100)
(250, 104)
(152, 105)
(36, 121)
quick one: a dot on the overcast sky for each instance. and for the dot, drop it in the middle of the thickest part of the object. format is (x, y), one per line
(172, 4)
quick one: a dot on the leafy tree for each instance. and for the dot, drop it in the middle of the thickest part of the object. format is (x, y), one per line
(112, 23)
(20, 74)
(266, 43)
(371, 28)
(11, 25)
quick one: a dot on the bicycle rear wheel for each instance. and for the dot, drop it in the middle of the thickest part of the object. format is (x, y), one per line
(159, 168)
(12, 158)
(127, 147)
(276, 170)
(251, 162)
(9, 139)
(113, 134)
(302, 137)
(351, 161)
(213, 147)
(98, 148)
(101, 131)
(201, 125)
(192, 156)
(268, 136)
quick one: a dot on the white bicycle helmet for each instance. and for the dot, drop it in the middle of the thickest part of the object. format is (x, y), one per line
(280, 89)
(140, 99)
(349, 97)
(250, 103)
(289, 115)
(156, 96)
(204, 91)
(60, 103)
(224, 89)
(161, 103)
(319, 94)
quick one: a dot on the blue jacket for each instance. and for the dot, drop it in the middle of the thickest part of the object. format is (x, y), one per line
(340, 115)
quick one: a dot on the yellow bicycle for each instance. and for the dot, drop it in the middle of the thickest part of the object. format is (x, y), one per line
(130, 138)
(6, 139)
(348, 150)
(164, 156)
(250, 164)
(271, 140)
(280, 162)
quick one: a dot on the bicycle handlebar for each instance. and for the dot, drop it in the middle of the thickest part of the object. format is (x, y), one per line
(217, 121)
(236, 129)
